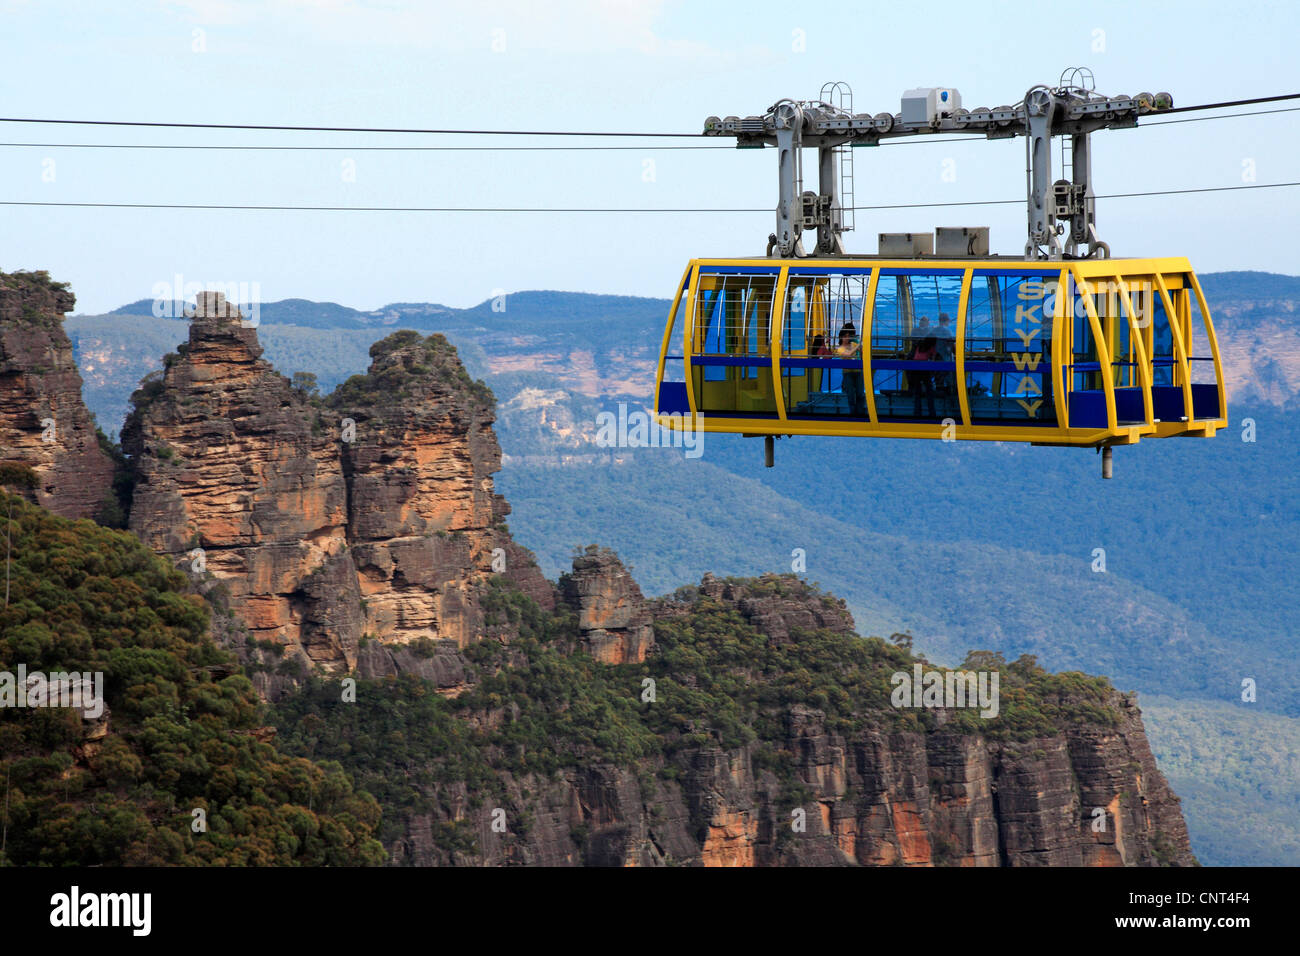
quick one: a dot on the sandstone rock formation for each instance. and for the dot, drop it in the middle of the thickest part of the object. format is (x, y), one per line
(423, 519)
(869, 797)
(237, 475)
(613, 617)
(44, 424)
(370, 513)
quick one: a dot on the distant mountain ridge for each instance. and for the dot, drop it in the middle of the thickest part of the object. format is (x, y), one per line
(547, 304)
(305, 313)
(550, 303)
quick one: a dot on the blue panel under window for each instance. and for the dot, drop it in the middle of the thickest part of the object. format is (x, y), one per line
(1167, 402)
(672, 399)
(1205, 401)
(1088, 409)
(1129, 406)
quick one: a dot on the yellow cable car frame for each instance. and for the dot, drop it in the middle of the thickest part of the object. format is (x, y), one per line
(1124, 353)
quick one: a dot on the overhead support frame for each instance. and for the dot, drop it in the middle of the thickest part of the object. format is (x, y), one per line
(1061, 220)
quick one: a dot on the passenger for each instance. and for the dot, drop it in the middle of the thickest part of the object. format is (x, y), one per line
(816, 375)
(923, 329)
(946, 342)
(922, 380)
(945, 330)
(849, 348)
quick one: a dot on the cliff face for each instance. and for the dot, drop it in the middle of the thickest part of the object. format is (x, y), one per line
(876, 800)
(419, 453)
(613, 618)
(230, 460)
(43, 423)
(819, 788)
(370, 514)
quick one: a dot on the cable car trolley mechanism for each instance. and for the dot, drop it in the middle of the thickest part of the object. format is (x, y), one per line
(934, 337)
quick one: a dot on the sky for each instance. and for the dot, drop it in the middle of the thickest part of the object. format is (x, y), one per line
(586, 65)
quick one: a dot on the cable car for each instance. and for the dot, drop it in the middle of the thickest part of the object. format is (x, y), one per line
(933, 337)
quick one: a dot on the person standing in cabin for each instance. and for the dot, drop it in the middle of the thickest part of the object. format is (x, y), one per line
(850, 348)
(946, 349)
(815, 375)
(922, 379)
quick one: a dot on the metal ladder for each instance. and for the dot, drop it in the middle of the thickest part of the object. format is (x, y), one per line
(840, 95)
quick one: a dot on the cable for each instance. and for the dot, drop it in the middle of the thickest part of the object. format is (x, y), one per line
(356, 149)
(1203, 119)
(1202, 189)
(1007, 202)
(269, 208)
(498, 132)
(576, 209)
(919, 139)
(343, 129)
(1227, 103)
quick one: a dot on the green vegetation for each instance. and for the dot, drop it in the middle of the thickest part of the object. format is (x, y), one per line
(305, 384)
(36, 282)
(400, 361)
(17, 475)
(182, 724)
(538, 709)
(115, 510)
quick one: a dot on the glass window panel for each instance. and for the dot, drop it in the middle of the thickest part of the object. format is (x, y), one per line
(1201, 356)
(1162, 337)
(913, 340)
(1008, 348)
(823, 321)
(733, 316)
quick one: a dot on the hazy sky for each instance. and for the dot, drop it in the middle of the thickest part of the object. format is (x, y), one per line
(585, 64)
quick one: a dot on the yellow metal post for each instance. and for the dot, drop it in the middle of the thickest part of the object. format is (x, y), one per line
(1180, 350)
(688, 339)
(1139, 341)
(959, 348)
(777, 331)
(668, 332)
(1214, 347)
(868, 323)
(1103, 352)
(1060, 383)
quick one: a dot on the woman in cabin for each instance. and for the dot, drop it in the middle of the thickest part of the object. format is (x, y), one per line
(849, 348)
(818, 350)
(922, 380)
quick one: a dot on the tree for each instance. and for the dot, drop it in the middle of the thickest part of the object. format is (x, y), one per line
(305, 382)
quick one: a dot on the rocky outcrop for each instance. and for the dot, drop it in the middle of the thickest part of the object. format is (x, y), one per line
(237, 475)
(773, 609)
(886, 800)
(613, 617)
(1087, 794)
(370, 514)
(423, 520)
(44, 425)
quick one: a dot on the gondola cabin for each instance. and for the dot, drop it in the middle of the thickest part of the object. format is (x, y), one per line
(1087, 352)
(934, 337)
